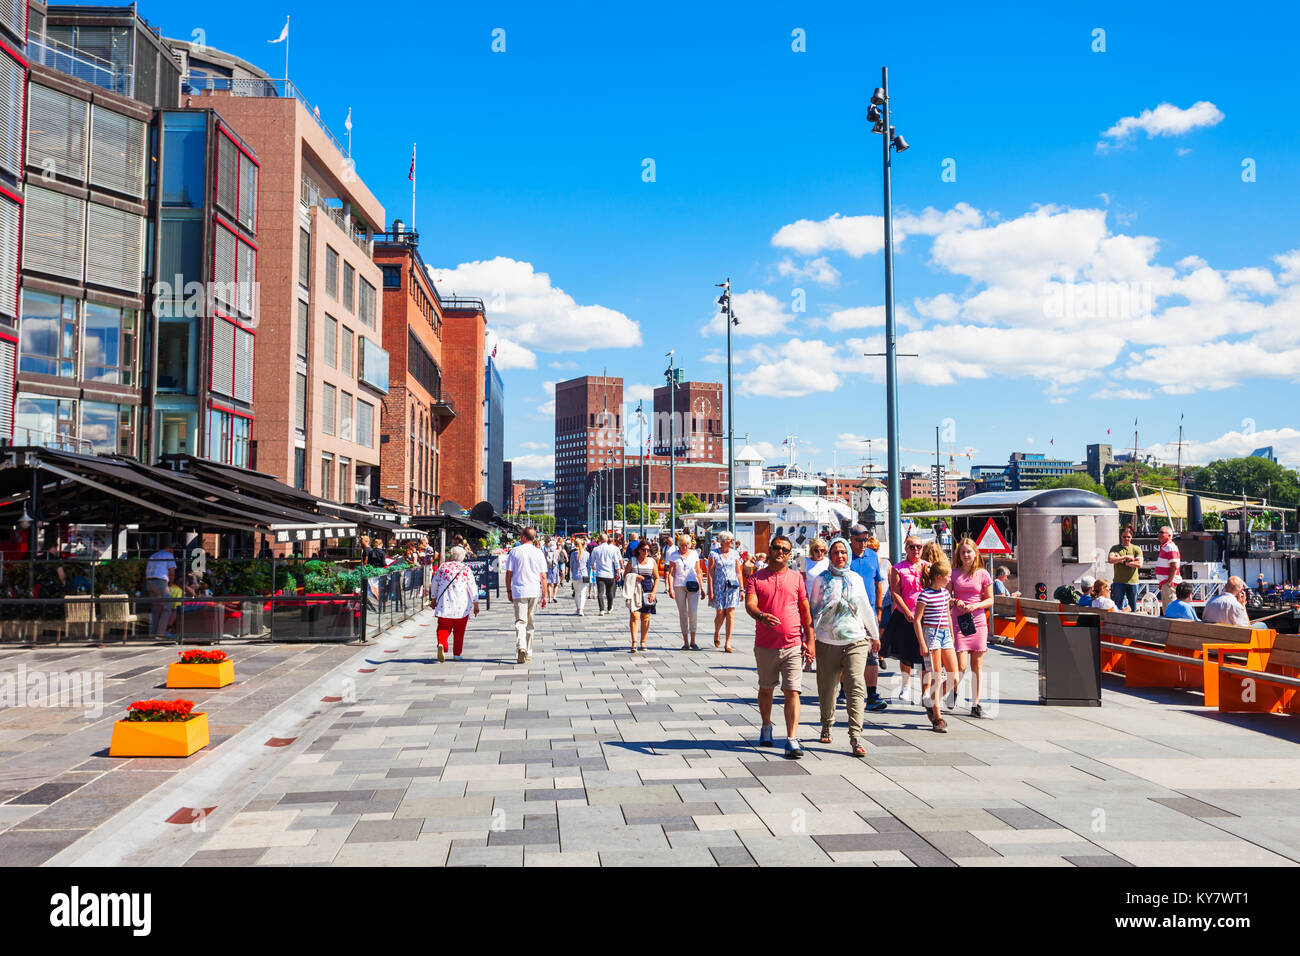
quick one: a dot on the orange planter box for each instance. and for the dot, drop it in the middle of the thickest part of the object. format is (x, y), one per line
(201, 675)
(159, 738)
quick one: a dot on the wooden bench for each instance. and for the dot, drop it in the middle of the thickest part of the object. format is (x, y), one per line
(1268, 681)
(1165, 652)
(1016, 619)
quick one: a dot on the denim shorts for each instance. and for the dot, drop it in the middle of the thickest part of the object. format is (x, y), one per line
(938, 638)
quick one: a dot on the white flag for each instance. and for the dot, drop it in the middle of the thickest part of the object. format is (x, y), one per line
(284, 34)
(347, 123)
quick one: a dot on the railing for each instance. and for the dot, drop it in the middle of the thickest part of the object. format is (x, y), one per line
(467, 303)
(56, 440)
(80, 64)
(312, 195)
(393, 598)
(1274, 541)
(268, 89)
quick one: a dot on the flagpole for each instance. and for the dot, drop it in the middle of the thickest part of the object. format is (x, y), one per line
(286, 54)
(413, 145)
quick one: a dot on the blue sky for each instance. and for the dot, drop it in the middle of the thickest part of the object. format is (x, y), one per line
(532, 194)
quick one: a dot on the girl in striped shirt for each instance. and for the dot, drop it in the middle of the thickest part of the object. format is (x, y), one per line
(933, 627)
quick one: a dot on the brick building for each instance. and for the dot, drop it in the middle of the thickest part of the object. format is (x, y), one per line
(462, 461)
(921, 485)
(322, 372)
(588, 420)
(698, 427)
(417, 411)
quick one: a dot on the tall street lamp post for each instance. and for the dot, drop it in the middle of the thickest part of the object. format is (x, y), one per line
(724, 300)
(672, 445)
(878, 113)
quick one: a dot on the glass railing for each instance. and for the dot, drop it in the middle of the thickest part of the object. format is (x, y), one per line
(80, 64)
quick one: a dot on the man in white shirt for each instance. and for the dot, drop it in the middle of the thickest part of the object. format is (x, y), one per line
(525, 583)
(607, 561)
(1167, 562)
(159, 571)
(1230, 606)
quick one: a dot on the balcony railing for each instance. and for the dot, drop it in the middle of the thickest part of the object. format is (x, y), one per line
(312, 195)
(39, 437)
(267, 89)
(80, 64)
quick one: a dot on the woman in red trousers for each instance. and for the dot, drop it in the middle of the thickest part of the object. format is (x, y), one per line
(454, 592)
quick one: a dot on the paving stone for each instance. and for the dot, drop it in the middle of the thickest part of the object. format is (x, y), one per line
(381, 831)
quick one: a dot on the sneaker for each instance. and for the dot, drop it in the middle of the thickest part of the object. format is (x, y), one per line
(458, 658)
(877, 703)
(765, 736)
(975, 711)
(950, 701)
(521, 655)
(442, 654)
(904, 697)
(840, 698)
(792, 749)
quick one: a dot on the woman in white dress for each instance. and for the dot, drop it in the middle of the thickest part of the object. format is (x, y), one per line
(726, 587)
(687, 579)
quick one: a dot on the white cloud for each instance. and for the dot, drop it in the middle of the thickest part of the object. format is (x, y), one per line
(1290, 263)
(513, 355)
(1165, 120)
(534, 445)
(524, 303)
(759, 313)
(1123, 394)
(861, 235)
(848, 441)
(1183, 368)
(804, 367)
(1104, 197)
(638, 393)
(1182, 150)
(533, 466)
(862, 317)
(1234, 444)
(715, 358)
(547, 409)
(549, 388)
(564, 366)
(943, 307)
(817, 270)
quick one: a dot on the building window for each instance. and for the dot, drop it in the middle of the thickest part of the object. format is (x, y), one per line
(13, 80)
(108, 428)
(48, 335)
(304, 330)
(365, 423)
(300, 404)
(39, 421)
(345, 471)
(392, 277)
(331, 272)
(185, 140)
(327, 476)
(178, 355)
(56, 132)
(117, 152)
(327, 409)
(108, 344)
(349, 283)
(300, 468)
(346, 425)
(347, 350)
(54, 233)
(304, 258)
(367, 305)
(331, 341)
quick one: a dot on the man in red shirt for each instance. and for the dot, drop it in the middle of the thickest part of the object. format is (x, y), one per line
(783, 639)
(1167, 562)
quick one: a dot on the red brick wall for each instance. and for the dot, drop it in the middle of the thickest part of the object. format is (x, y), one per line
(461, 450)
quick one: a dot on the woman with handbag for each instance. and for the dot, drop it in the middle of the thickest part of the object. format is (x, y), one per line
(972, 592)
(845, 625)
(579, 569)
(686, 571)
(639, 592)
(454, 592)
(726, 587)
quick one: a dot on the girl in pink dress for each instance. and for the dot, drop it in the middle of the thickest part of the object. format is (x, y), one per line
(899, 640)
(972, 592)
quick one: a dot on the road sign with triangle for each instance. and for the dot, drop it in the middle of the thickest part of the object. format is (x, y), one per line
(991, 541)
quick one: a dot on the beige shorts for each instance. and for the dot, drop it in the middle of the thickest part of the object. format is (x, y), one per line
(780, 665)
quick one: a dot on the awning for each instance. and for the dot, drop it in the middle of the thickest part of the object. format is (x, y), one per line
(1172, 504)
(959, 513)
(465, 523)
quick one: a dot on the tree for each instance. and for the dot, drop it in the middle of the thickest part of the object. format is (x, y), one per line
(618, 512)
(1255, 477)
(1079, 479)
(689, 505)
(1119, 480)
(634, 513)
(912, 505)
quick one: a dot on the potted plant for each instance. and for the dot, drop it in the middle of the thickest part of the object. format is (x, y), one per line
(159, 728)
(201, 669)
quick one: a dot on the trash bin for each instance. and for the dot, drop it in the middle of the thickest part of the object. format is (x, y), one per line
(1069, 659)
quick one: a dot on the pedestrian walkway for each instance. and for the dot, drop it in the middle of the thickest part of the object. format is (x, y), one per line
(589, 755)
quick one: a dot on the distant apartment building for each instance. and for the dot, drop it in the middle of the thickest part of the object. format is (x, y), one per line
(323, 371)
(417, 410)
(463, 459)
(588, 420)
(921, 485)
(989, 477)
(539, 498)
(13, 102)
(494, 433)
(1026, 469)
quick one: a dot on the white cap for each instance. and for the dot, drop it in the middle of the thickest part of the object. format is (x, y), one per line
(1087, 580)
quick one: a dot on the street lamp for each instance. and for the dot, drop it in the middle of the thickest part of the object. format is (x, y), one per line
(640, 417)
(672, 445)
(878, 115)
(724, 300)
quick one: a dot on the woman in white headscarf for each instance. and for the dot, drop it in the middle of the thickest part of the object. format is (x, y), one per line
(845, 625)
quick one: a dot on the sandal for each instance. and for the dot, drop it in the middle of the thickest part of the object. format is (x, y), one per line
(717, 642)
(694, 646)
(686, 647)
(857, 750)
(728, 649)
(826, 735)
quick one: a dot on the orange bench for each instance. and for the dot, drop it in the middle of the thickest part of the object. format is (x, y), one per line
(1164, 652)
(1267, 682)
(1016, 619)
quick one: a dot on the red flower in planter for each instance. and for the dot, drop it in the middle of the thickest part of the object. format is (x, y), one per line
(194, 656)
(147, 710)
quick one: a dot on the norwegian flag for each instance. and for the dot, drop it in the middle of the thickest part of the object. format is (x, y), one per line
(411, 174)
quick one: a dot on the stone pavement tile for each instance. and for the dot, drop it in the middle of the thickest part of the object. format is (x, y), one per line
(602, 838)
(542, 856)
(731, 783)
(324, 796)
(1125, 818)
(1062, 848)
(555, 794)
(637, 812)
(732, 856)
(1104, 859)
(443, 807)
(323, 821)
(768, 850)
(486, 772)
(731, 821)
(772, 768)
(825, 787)
(883, 823)
(1245, 803)
(653, 793)
(296, 855)
(1191, 807)
(1281, 834)
(834, 842)
(955, 843)
(525, 837)
(1198, 853)
(426, 851)
(381, 831)
(247, 839)
(1016, 861)
(227, 857)
(950, 819)
(710, 838)
(687, 856)
(1022, 818)
(869, 857)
